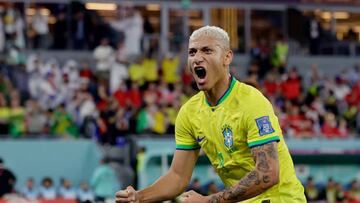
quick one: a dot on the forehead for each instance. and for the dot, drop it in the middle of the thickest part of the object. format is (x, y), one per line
(204, 41)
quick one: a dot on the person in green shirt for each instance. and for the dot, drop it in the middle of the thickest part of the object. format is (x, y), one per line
(104, 181)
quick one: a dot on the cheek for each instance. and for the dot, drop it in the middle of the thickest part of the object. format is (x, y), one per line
(189, 65)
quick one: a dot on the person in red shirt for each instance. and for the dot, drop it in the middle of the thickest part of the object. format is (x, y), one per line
(329, 128)
(271, 86)
(121, 94)
(134, 95)
(291, 87)
(353, 98)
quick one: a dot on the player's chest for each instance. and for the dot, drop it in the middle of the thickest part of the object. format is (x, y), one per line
(220, 129)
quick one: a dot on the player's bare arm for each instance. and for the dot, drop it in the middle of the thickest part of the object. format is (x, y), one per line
(257, 181)
(168, 186)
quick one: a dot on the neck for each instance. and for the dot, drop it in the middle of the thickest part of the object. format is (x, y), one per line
(214, 94)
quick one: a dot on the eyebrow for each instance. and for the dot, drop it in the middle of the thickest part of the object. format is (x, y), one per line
(204, 47)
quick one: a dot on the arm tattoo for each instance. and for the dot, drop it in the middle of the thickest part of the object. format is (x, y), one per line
(255, 181)
(262, 162)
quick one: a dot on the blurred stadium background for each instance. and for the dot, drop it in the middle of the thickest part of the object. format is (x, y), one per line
(87, 80)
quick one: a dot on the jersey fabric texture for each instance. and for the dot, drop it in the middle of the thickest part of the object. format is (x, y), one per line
(243, 118)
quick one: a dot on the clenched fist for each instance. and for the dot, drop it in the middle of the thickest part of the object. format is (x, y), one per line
(127, 196)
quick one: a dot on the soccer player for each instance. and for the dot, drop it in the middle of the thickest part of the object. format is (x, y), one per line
(235, 125)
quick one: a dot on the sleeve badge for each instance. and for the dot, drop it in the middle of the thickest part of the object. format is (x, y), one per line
(264, 125)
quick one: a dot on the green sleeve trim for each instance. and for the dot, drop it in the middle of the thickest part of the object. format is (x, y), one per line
(264, 141)
(187, 147)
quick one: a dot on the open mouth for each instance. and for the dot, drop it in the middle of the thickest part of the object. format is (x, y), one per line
(200, 72)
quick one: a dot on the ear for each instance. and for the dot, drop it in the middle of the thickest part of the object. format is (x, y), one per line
(228, 58)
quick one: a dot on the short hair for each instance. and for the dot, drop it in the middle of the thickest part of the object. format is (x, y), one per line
(213, 31)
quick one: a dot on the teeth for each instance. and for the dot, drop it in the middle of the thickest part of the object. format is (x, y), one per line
(199, 67)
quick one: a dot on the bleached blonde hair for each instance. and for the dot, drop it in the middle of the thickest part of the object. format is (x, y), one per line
(215, 32)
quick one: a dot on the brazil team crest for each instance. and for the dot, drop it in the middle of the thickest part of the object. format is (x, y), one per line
(228, 136)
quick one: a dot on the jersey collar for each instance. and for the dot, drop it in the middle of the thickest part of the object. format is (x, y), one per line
(225, 95)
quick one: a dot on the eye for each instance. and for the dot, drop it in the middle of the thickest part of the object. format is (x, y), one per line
(207, 51)
(192, 52)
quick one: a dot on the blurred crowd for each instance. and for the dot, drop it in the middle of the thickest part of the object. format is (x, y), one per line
(312, 104)
(116, 94)
(124, 89)
(332, 191)
(103, 185)
(104, 100)
(58, 28)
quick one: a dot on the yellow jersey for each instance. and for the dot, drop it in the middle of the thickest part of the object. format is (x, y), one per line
(243, 118)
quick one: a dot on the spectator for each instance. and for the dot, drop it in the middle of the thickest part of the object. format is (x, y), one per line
(104, 55)
(353, 194)
(17, 117)
(66, 190)
(137, 71)
(160, 120)
(4, 115)
(271, 86)
(341, 89)
(7, 180)
(329, 128)
(353, 98)
(35, 118)
(291, 86)
(85, 70)
(47, 189)
(151, 69)
(170, 69)
(343, 129)
(151, 94)
(63, 124)
(104, 181)
(85, 194)
(30, 191)
(314, 35)
(132, 26)
(122, 122)
(9, 17)
(60, 31)
(121, 53)
(19, 41)
(135, 95)
(340, 193)
(80, 28)
(118, 74)
(280, 53)
(312, 193)
(330, 191)
(120, 94)
(41, 28)
(144, 120)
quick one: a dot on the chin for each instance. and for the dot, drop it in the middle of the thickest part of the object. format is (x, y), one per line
(202, 87)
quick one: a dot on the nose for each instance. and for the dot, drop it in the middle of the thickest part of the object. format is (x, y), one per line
(198, 58)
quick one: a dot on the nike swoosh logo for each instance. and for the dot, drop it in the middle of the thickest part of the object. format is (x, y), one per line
(199, 139)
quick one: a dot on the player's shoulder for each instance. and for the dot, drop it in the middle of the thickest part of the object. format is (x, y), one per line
(251, 95)
(248, 90)
(193, 103)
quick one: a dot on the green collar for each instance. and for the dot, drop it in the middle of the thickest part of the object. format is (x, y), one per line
(226, 94)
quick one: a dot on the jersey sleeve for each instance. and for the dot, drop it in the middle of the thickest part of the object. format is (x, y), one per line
(262, 124)
(184, 137)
